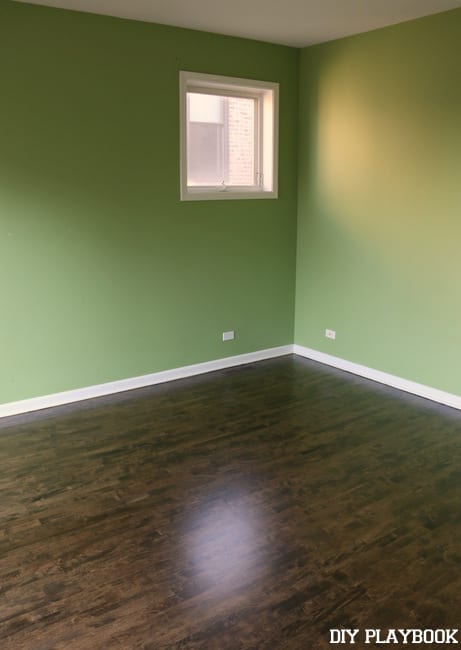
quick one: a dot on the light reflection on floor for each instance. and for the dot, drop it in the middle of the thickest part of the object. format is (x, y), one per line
(224, 545)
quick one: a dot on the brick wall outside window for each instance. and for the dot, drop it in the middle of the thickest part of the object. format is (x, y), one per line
(241, 141)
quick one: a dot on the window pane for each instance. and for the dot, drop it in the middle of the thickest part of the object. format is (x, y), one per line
(220, 140)
(205, 158)
(241, 141)
(205, 108)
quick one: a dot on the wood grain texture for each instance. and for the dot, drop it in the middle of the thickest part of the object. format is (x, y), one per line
(255, 507)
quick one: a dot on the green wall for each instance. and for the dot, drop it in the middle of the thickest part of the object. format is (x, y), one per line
(379, 234)
(104, 274)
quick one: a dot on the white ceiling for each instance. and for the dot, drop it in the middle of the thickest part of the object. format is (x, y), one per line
(289, 22)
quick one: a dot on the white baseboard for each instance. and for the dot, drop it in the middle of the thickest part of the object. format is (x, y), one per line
(58, 399)
(449, 399)
(122, 385)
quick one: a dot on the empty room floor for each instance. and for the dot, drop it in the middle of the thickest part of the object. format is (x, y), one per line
(256, 507)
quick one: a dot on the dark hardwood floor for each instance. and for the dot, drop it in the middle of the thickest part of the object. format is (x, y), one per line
(256, 507)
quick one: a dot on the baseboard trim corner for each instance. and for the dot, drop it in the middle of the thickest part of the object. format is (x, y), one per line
(122, 385)
(434, 394)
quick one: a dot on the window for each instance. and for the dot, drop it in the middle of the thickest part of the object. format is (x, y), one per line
(228, 137)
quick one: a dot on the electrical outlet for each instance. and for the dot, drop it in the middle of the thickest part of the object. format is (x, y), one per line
(228, 336)
(330, 334)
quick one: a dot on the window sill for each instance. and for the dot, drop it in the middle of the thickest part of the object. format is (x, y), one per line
(198, 194)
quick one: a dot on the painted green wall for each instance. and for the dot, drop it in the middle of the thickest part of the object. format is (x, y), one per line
(104, 274)
(379, 234)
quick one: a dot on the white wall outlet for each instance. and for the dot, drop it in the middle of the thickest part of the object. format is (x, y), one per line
(228, 336)
(330, 334)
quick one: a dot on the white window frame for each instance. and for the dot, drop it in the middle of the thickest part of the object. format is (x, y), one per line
(266, 135)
